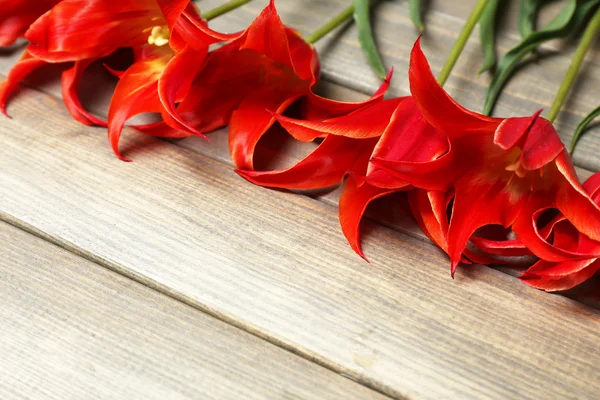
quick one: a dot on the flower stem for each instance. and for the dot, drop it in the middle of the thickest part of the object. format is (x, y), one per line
(586, 40)
(223, 9)
(460, 43)
(331, 25)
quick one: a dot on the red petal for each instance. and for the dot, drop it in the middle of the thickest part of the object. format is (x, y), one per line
(80, 29)
(188, 28)
(325, 166)
(26, 64)
(429, 210)
(268, 36)
(553, 283)
(353, 203)
(174, 83)
(17, 15)
(437, 106)
(71, 78)
(574, 202)
(250, 122)
(136, 93)
(366, 122)
(479, 202)
(321, 108)
(407, 138)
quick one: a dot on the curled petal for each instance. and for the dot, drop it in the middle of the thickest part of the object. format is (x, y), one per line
(250, 122)
(353, 204)
(429, 210)
(174, 83)
(188, 28)
(407, 138)
(322, 108)
(17, 15)
(325, 166)
(81, 29)
(550, 283)
(573, 201)
(136, 93)
(352, 125)
(439, 109)
(71, 78)
(26, 65)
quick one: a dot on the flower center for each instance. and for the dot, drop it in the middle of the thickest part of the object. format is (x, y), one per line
(159, 36)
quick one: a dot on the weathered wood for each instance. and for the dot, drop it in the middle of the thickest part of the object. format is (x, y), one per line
(276, 265)
(72, 329)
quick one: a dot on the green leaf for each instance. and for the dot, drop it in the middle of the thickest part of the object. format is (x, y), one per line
(362, 17)
(528, 10)
(582, 127)
(414, 7)
(570, 18)
(487, 34)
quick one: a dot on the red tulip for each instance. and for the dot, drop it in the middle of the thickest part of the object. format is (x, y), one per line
(500, 171)
(17, 15)
(585, 252)
(160, 32)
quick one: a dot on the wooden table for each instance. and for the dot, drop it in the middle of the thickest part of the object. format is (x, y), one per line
(171, 277)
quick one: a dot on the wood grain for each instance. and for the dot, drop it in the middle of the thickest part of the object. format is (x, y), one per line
(276, 265)
(72, 329)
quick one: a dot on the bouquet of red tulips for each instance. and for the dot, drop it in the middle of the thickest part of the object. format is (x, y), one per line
(462, 171)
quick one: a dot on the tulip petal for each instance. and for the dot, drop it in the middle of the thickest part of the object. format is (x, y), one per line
(565, 282)
(136, 93)
(479, 202)
(81, 29)
(26, 65)
(71, 78)
(174, 83)
(409, 138)
(322, 108)
(574, 202)
(437, 106)
(353, 204)
(17, 15)
(326, 166)
(352, 125)
(250, 121)
(429, 210)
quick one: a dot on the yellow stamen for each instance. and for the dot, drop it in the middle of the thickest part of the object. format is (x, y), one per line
(159, 36)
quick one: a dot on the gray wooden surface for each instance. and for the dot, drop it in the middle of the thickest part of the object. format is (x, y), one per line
(72, 329)
(274, 264)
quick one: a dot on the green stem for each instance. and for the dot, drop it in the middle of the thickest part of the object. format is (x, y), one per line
(223, 9)
(331, 25)
(586, 40)
(460, 43)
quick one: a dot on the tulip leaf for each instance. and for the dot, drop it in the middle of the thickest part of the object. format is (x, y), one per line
(487, 34)
(570, 18)
(362, 17)
(528, 10)
(414, 7)
(582, 127)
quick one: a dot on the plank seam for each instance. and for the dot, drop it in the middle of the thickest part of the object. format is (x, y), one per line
(165, 290)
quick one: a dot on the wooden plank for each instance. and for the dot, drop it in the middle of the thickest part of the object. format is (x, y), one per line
(534, 87)
(72, 329)
(276, 265)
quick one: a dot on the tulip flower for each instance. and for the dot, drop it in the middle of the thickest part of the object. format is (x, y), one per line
(585, 259)
(500, 171)
(17, 15)
(158, 31)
